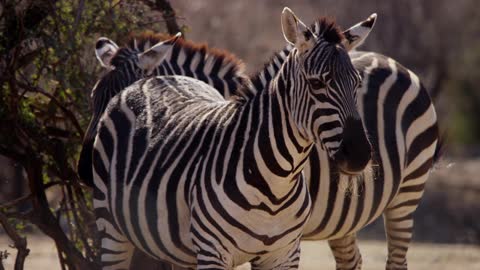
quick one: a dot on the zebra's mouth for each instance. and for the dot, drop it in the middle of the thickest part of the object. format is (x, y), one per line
(350, 166)
(355, 150)
(344, 171)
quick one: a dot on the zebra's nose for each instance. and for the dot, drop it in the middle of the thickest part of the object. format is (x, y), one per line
(355, 151)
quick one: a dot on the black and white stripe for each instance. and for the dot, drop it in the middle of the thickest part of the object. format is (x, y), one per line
(191, 178)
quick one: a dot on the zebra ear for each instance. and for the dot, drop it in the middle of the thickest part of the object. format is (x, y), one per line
(105, 49)
(153, 57)
(294, 30)
(357, 34)
(289, 25)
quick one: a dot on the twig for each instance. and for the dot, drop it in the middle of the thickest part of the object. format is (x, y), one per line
(53, 183)
(67, 112)
(168, 14)
(16, 201)
(20, 243)
(3, 255)
(44, 219)
(78, 16)
(116, 4)
(71, 196)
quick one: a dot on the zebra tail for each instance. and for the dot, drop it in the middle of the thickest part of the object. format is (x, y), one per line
(84, 165)
(441, 147)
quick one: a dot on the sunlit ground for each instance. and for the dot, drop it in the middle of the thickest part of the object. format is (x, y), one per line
(315, 255)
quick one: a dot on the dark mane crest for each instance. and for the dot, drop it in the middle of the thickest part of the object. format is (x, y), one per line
(143, 41)
(327, 29)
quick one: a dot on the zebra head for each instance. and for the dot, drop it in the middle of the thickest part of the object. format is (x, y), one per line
(326, 111)
(127, 65)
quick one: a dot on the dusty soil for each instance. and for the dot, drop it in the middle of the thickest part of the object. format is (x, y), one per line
(315, 255)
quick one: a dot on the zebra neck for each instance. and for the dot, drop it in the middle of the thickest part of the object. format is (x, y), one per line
(218, 70)
(264, 77)
(279, 150)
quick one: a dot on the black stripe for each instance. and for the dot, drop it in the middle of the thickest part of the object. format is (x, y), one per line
(376, 79)
(421, 142)
(390, 106)
(122, 127)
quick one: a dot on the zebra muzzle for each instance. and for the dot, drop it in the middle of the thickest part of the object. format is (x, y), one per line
(355, 151)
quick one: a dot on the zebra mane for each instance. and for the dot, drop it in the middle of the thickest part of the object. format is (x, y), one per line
(327, 28)
(143, 41)
(261, 78)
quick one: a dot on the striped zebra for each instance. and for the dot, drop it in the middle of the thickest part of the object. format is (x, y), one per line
(219, 179)
(215, 67)
(395, 186)
(401, 124)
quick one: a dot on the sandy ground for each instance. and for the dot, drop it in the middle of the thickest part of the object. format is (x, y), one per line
(315, 255)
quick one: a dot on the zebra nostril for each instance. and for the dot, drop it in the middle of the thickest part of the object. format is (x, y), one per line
(355, 150)
(345, 151)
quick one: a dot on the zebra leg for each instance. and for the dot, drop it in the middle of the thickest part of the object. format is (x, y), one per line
(346, 253)
(398, 228)
(142, 261)
(212, 260)
(281, 259)
(115, 250)
(398, 219)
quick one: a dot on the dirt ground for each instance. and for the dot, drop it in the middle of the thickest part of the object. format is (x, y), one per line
(315, 255)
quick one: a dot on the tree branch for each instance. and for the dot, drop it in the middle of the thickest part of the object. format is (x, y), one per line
(67, 112)
(20, 243)
(16, 201)
(78, 16)
(168, 14)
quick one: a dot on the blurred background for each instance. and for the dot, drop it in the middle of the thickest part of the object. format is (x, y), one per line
(48, 66)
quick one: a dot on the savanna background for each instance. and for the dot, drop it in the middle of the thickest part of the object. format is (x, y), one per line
(48, 67)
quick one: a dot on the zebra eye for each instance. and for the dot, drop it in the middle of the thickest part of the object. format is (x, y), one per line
(316, 83)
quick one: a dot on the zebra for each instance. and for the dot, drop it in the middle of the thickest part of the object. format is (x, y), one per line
(401, 123)
(381, 76)
(217, 176)
(218, 68)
